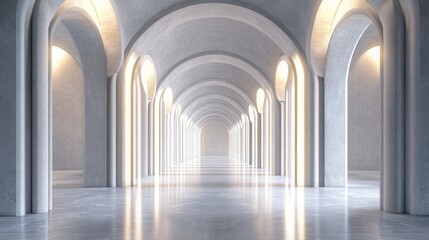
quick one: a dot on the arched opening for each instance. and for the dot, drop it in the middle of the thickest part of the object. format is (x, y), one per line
(79, 103)
(331, 28)
(85, 22)
(68, 120)
(353, 106)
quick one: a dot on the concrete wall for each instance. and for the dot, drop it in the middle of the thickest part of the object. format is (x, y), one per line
(67, 115)
(364, 116)
(214, 140)
(8, 108)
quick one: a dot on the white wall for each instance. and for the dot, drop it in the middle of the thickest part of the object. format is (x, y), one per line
(214, 140)
(68, 116)
(364, 114)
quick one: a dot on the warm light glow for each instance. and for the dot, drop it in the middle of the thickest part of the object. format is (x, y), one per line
(329, 14)
(86, 5)
(251, 114)
(300, 120)
(282, 75)
(109, 29)
(260, 100)
(148, 77)
(127, 118)
(322, 30)
(375, 54)
(59, 56)
(345, 6)
(168, 99)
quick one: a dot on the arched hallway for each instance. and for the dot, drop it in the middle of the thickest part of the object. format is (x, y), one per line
(214, 119)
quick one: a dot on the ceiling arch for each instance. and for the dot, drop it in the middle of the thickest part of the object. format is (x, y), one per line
(209, 116)
(199, 100)
(220, 58)
(102, 14)
(217, 103)
(214, 27)
(214, 118)
(329, 15)
(210, 83)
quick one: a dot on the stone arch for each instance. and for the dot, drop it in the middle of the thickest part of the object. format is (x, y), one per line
(326, 21)
(90, 52)
(44, 19)
(338, 61)
(392, 71)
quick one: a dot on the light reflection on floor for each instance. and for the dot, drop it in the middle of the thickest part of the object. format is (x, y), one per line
(217, 200)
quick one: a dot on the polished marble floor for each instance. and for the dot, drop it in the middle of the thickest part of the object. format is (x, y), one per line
(215, 200)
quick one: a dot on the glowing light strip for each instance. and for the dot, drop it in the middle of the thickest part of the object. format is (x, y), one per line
(300, 120)
(127, 120)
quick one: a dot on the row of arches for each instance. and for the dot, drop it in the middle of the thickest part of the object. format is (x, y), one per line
(127, 132)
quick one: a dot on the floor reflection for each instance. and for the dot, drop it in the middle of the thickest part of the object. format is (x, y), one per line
(215, 199)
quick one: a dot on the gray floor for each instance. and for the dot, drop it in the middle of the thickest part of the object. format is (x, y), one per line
(215, 200)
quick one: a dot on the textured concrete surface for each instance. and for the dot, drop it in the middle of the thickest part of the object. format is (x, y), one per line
(8, 109)
(364, 106)
(214, 140)
(417, 108)
(364, 118)
(339, 56)
(68, 115)
(95, 72)
(393, 89)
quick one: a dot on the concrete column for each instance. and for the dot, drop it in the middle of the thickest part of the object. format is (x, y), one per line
(277, 137)
(291, 133)
(243, 143)
(393, 108)
(250, 142)
(176, 140)
(320, 138)
(111, 133)
(283, 138)
(119, 128)
(163, 142)
(309, 131)
(258, 140)
(23, 114)
(41, 120)
(149, 140)
(95, 166)
(417, 106)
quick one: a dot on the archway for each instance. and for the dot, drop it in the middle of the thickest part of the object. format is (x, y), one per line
(225, 53)
(338, 67)
(82, 143)
(45, 19)
(389, 20)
